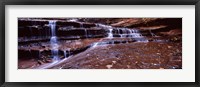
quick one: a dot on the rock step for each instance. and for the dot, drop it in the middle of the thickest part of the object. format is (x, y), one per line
(40, 53)
(82, 32)
(23, 40)
(45, 31)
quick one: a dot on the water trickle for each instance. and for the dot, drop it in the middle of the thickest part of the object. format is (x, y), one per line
(110, 28)
(118, 31)
(54, 41)
(65, 54)
(94, 44)
(96, 25)
(81, 25)
(152, 34)
(110, 34)
(112, 42)
(86, 35)
(39, 55)
(130, 33)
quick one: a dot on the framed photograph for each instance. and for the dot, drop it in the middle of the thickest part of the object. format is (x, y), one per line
(100, 43)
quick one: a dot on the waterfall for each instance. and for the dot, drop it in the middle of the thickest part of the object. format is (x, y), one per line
(110, 34)
(52, 25)
(54, 41)
(54, 47)
(122, 33)
(110, 28)
(65, 54)
(130, 33)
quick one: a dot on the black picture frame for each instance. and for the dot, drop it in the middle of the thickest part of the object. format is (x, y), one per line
(98, 2)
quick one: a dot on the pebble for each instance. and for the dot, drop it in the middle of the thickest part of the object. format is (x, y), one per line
(169, 46)
(113, 62)
(155, 64)
(158, 53)
(128, 66)
(108, 66)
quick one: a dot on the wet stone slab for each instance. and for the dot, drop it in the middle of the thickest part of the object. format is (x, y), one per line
(152, 55)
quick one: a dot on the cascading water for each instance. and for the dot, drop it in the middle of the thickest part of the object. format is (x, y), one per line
(65, 54)
(52, 24)
(123, 33)
(110, 28)
(81, 26)
(110, 34)
(130, 33)
(54, 41)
